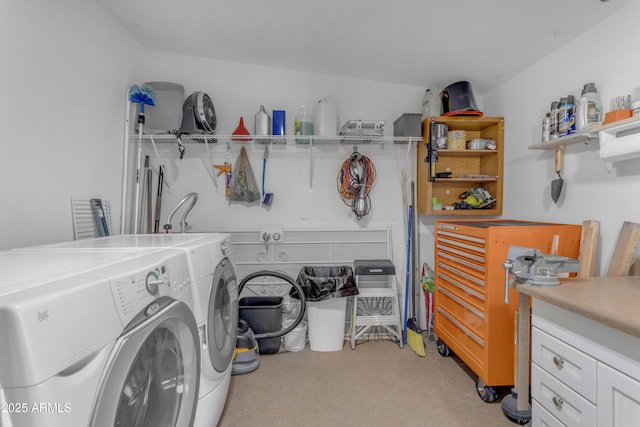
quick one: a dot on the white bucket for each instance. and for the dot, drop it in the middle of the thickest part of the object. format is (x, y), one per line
(295, 340)
(326, 324)
(325, 118)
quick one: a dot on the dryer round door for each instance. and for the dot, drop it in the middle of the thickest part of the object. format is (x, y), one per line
(153, 375)
(222, 316)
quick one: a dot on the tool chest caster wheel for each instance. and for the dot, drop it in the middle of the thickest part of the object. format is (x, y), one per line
(443, 349)
(487, 394)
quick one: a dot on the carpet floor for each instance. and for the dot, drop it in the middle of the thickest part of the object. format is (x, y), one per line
(377, 384)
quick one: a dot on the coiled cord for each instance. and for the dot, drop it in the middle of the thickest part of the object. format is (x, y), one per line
(355, 179)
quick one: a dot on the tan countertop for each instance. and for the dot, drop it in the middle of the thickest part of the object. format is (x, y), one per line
(612, 301)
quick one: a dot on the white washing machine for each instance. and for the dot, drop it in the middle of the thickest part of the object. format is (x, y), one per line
(104, 343)
(214, 284)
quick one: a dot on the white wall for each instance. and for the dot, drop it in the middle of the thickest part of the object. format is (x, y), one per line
(301, 199)
(608, 55)
(63, 89)
(65, 69)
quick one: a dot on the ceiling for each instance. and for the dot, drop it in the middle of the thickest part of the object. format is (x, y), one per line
(413, 42)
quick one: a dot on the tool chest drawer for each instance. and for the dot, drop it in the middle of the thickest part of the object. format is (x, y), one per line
(458, 336)
(560, 400)
(466, 314)
(566, 363)
(461, 278)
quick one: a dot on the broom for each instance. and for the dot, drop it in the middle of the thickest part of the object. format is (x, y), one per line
(143, 95)
(411, 334)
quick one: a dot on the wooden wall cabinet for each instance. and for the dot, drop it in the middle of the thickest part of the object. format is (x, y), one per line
(469, 168)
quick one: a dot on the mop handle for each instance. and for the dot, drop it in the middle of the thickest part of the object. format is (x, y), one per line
(406, 286)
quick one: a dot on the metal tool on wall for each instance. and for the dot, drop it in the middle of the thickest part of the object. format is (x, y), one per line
(556, 184)
(141, 204)
(149, 202)
(156, 222)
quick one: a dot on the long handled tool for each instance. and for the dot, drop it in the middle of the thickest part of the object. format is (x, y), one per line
(267, 198)
(411, 335)
(406, 285)
(142, 95)
(156, 223)
(149, 201)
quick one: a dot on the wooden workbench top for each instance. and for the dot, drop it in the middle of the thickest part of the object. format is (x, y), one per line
(613, 301)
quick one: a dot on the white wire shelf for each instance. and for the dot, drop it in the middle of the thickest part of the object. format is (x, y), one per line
(280, 147)
(280, 139)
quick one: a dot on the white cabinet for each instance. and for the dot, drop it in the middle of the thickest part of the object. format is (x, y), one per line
(618, 398)
(583, 373)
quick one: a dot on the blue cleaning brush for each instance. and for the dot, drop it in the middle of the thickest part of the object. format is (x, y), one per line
(143, 95)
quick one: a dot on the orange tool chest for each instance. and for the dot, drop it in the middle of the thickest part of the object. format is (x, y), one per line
(471, 317)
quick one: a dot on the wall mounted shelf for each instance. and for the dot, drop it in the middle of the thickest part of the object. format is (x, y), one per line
(586, 136)
(301, 140)
(307, 147)
(469, 168)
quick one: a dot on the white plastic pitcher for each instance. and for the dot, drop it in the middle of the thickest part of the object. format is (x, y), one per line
(325, 118)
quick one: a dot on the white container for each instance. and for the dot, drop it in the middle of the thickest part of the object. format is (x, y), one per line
(431, 104)
(303, 124)
(167, 113)
(325, 118)
(326, 320)
(262, 122)
(589, 108)
(296, 340)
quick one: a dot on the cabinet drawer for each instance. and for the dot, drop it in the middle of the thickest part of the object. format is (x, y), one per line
(566, 363)
(562, 402)
(540, 417)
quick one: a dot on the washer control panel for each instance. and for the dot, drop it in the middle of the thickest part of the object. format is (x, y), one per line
(148, 279)
(136, 290)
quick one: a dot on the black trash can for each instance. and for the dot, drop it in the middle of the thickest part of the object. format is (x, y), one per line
(321, 283)
(263, 314)
(326, 289)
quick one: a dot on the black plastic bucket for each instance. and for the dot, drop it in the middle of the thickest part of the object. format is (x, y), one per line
(264, 315)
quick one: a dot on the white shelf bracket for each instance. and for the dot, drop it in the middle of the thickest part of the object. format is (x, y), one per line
(609, 167)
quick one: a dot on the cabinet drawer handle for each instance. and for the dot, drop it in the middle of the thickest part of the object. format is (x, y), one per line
(558, 361)
(558, 402)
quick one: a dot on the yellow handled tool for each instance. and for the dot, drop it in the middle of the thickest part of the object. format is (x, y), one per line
(226, 169)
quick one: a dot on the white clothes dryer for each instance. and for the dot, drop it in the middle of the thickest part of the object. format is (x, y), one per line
(113, 344)
(215, 290)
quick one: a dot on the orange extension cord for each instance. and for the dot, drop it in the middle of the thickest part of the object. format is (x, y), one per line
(356, 175)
